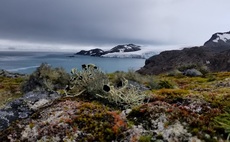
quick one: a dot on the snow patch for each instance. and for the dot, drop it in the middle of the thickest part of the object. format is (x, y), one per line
(224, 37)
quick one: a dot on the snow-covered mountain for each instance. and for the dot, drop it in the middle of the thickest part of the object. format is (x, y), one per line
(125, 48)
(219, 41)
(121, 51)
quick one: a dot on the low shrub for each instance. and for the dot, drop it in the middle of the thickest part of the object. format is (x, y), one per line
(46, 78)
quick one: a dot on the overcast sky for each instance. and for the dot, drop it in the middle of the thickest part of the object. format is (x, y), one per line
(89, 23)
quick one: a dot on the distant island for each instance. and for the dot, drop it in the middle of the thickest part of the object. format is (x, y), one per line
(120, 51)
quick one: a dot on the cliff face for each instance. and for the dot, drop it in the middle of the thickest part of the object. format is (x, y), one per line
(214, 55)
(220, 62)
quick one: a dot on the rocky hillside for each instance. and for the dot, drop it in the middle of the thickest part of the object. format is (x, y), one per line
(213, 56)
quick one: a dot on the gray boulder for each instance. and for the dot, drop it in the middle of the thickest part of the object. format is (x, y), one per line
(192, 72)
(24, 107)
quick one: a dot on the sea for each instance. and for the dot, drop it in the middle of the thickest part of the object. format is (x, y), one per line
(27, 62)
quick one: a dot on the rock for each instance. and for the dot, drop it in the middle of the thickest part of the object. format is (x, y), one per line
(35, 100)
(25, 106)
(5, 73)
(219, 42)
(192, 72)
(15, 110)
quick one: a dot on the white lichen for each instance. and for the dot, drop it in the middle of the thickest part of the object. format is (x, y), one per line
(38, 104)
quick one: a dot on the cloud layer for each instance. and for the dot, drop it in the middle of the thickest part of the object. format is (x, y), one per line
(105, 22)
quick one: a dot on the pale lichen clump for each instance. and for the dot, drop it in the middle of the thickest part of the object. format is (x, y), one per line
(90, 80)
(93, 81)
(127, 95)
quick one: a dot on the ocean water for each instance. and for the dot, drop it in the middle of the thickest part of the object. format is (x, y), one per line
(27, 62)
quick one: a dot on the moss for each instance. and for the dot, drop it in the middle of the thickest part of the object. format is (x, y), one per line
(223, 122)
(195, 131)
(104, 125)
(170, 95)
(222, 75)
(10, 89)
(165, 84)
(145, 138)
(31, 125)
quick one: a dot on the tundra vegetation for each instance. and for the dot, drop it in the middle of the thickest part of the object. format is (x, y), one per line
(121, 106)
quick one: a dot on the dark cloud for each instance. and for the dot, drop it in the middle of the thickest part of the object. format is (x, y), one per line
(72, 21)
(97, 22)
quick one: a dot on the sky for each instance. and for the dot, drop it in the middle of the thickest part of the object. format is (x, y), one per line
(84, 24)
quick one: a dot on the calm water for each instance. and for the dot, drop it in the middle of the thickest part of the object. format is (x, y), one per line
(27, 62)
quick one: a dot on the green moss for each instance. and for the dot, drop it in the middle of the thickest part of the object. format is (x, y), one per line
(165, 84)
(223, 121)
(145, 138)
(97, 120)
(10, 89)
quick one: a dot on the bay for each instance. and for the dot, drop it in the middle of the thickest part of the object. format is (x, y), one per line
(27, 62)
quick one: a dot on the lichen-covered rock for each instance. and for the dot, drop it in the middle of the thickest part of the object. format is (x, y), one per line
(175, 122)
(37, 99)
(15, 110)
(70, 121)
(23, 107)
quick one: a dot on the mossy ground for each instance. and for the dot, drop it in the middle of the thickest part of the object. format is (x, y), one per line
(201, 104)
(10, 88)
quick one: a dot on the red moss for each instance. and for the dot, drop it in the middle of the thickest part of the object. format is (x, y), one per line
(119, 123)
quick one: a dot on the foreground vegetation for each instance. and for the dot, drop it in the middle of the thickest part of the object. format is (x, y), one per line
(10, 88)
(121, 106)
